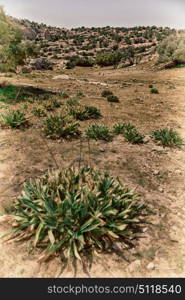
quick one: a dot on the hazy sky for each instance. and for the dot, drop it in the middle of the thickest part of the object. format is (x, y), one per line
(74, 13)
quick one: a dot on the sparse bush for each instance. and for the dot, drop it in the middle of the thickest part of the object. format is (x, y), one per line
(38, 112)
(70, 64)
(51, 104)
(119, 128)
(76, 213)
(85, 112)
(106, 93)
(108, 58)
(64, 95)
(79, 112)
(44, 96)
(13, 118)
(8, 93)
(99, 132)
(85, 62)
(154, 91)
(13, 51)
(112, 98)
(167, 137)
(79, 94)
(60, 127)
(132, 135)
(93, 112)
(173, 48)
(72, 102)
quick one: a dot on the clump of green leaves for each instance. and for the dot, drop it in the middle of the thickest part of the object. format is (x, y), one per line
(167, 137)
(112, 98)
(99, 132)
(119, 128)
(64, 95)
(76, 213)
(106, 93)
(85, 112)
(60, 126)
(72, 102)
(133, 136)
(52, 104)
(13, 118)
(44, 96)
(38, 112)
(8, 93)
(154, 91)
(129, 132)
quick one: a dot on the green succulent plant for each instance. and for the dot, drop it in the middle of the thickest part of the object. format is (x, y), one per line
(85, 112)
(76, 213)
(129, 132)
(60, 126)
(99, 132)
(13, 118)
(167, 137)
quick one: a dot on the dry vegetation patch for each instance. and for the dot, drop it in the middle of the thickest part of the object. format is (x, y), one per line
(147, 167)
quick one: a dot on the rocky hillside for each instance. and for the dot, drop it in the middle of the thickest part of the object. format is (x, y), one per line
(60, 45)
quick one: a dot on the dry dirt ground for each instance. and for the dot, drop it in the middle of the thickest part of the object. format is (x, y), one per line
(155, 172)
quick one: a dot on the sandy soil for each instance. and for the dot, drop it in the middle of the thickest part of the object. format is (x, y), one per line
(157, 173)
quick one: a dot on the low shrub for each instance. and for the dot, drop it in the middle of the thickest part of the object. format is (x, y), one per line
(76, 213)
(13, 118)
(93, 112)
(131, 134)
(85, 62)
(154, 91)
(167, 137)
(99, 132)
(106, 93)
(72, 102)
(119, 128)
(85, 112)
(38, 112)
(112, 98)
(109, 58)
(52, 104)
(70, 64)
(60, 126)
(8, 93)
(44, 96)
(64, 95)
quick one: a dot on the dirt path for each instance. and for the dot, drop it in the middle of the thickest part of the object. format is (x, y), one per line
(161, 251)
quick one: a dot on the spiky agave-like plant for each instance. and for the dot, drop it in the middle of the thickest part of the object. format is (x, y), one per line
(75, 212)
(167, 137)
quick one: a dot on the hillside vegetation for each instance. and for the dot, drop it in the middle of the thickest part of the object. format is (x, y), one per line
(172, 49)
(89, 46)
(92, 158)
